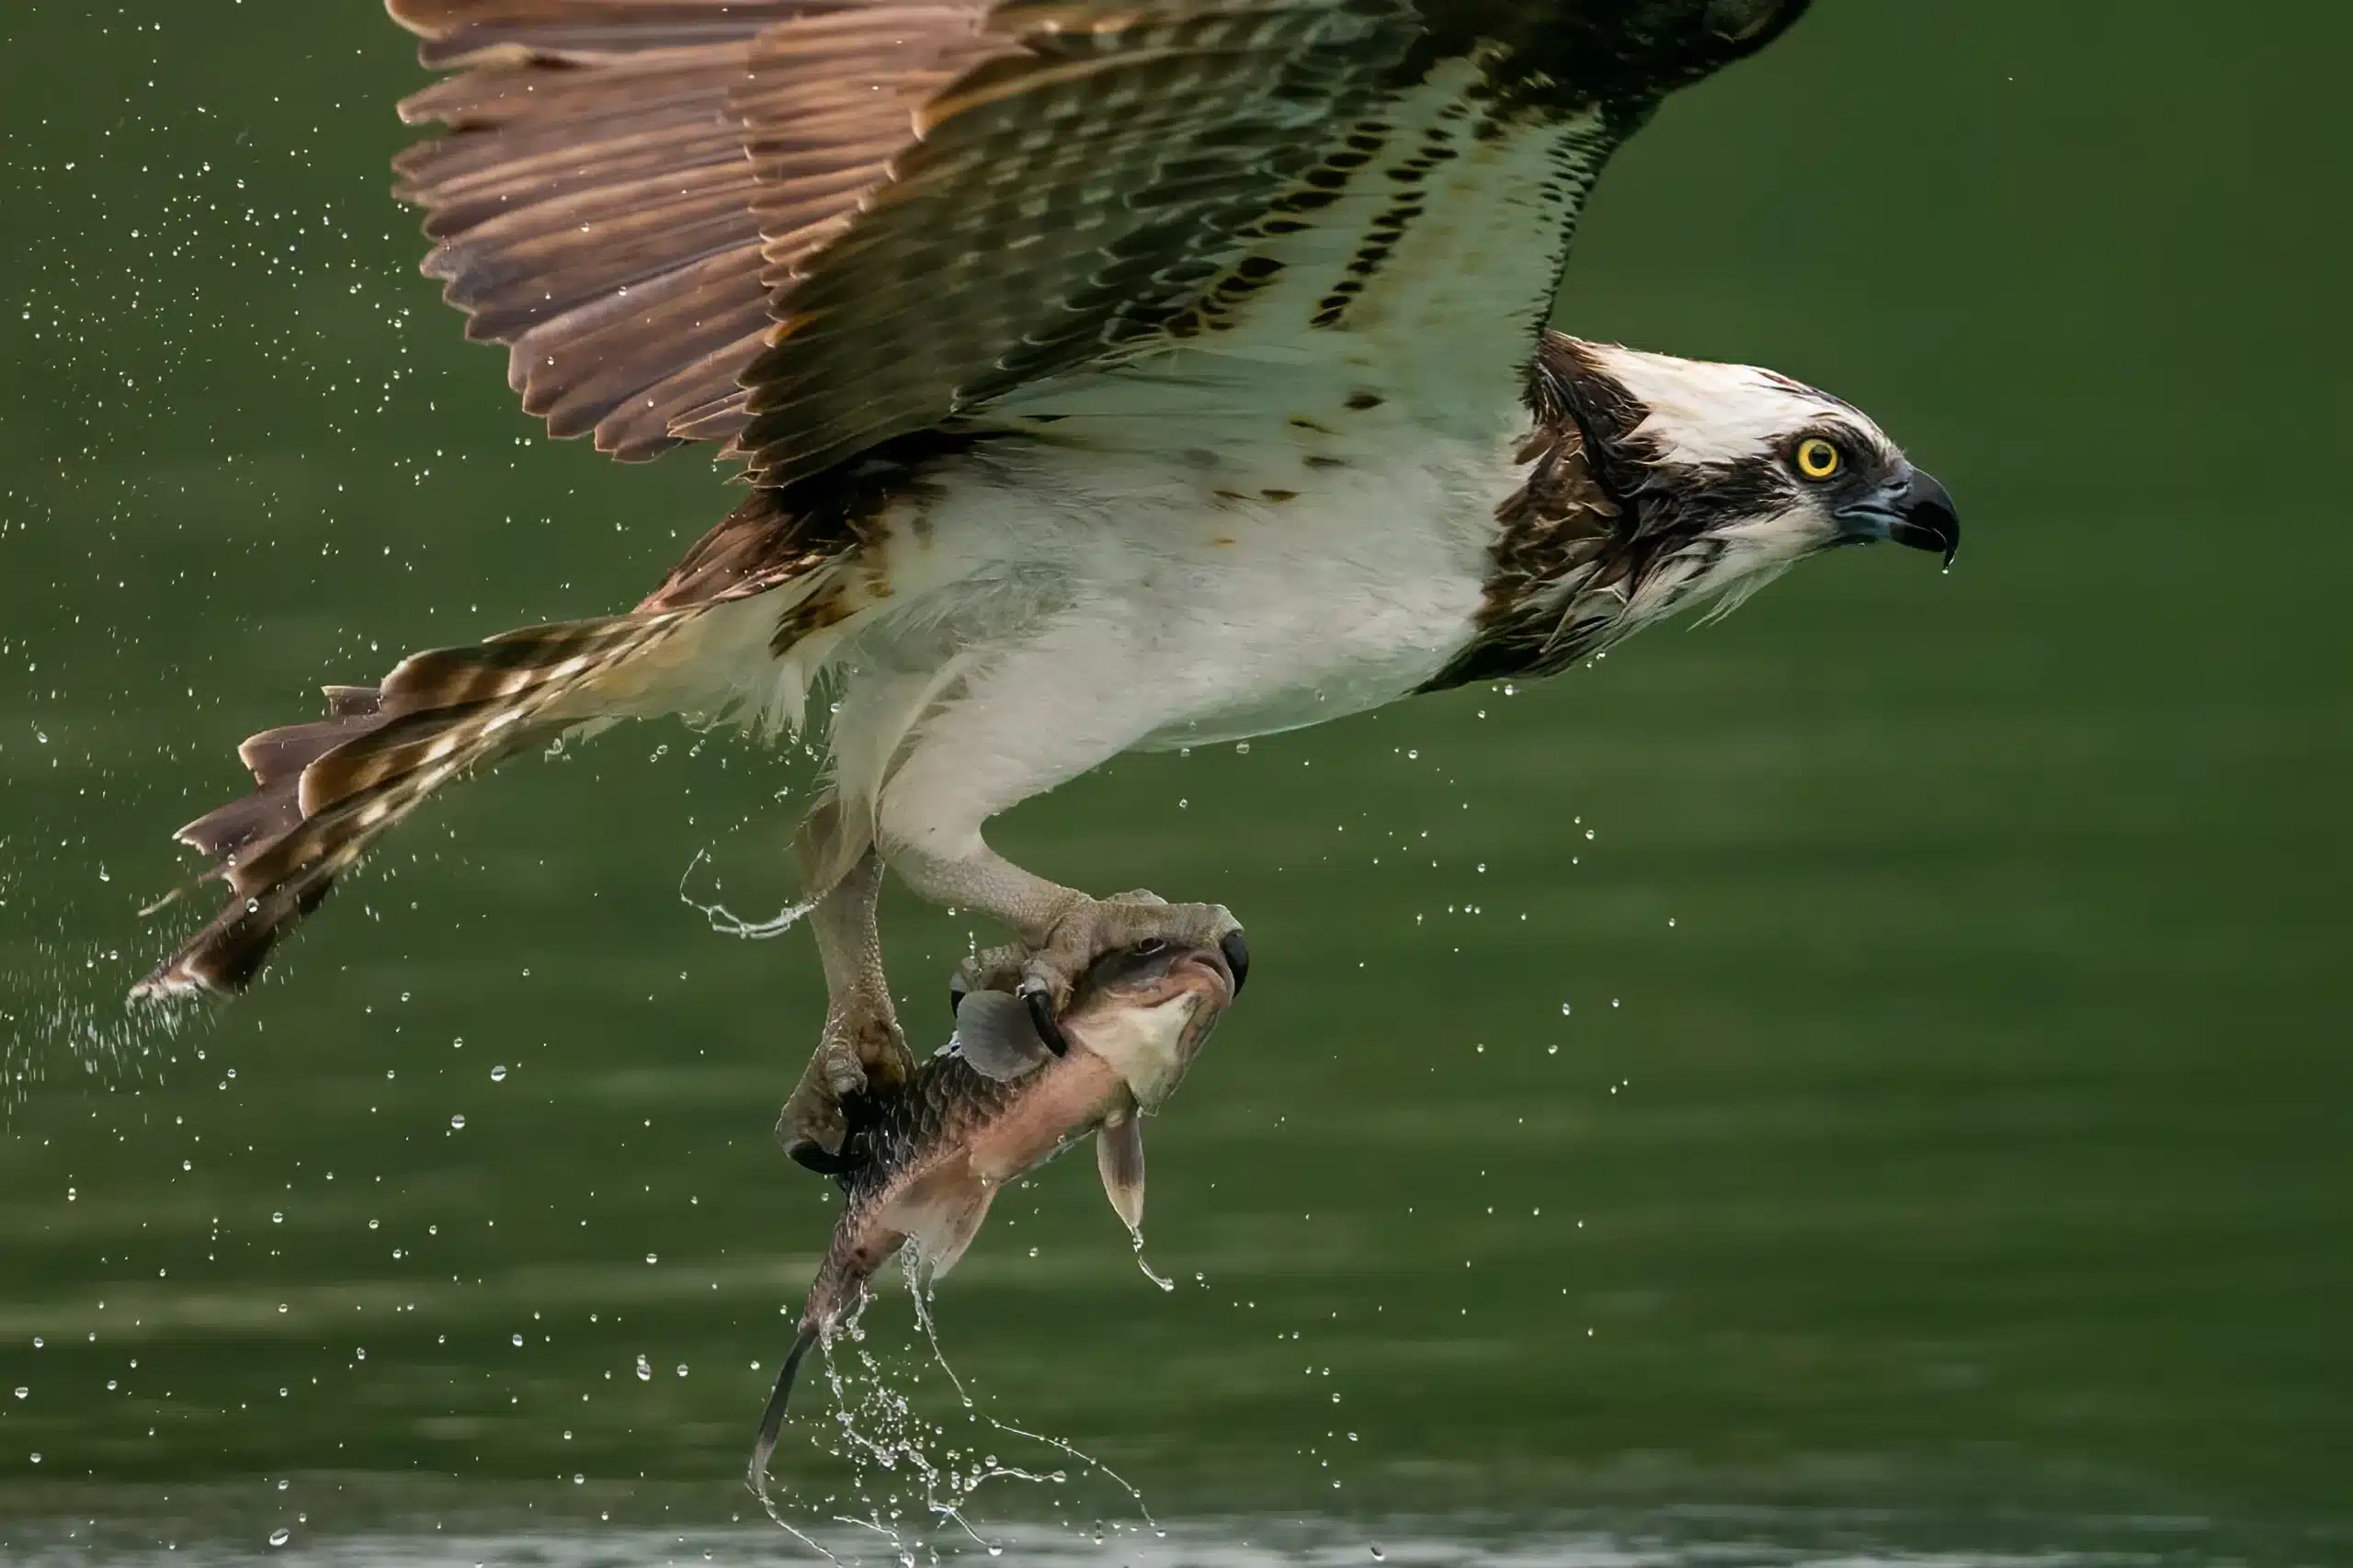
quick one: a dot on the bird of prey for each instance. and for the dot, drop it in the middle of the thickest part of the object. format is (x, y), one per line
(1107, 374)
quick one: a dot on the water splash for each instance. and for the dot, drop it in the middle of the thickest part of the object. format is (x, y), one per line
(727, 923)
(1135, 1237)
(61, 1013)
(916, 1475)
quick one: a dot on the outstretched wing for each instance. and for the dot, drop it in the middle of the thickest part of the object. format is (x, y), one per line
(808, 226)
(627, 183)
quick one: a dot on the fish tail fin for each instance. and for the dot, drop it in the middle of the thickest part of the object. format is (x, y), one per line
(325, 792)
(772, 1421)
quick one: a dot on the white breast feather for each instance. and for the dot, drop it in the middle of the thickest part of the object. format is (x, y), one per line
(1227, 536)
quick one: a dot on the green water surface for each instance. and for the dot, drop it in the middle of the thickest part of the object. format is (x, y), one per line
(1880, 1060)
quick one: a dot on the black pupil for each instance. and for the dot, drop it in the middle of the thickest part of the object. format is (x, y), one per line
(1820, 457)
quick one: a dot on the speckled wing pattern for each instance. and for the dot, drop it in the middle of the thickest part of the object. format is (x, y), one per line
(806, 227)
(1059, 201)
(625, 181)
(873, 213)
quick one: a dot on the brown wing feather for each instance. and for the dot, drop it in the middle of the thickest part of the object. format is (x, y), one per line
(626, 180)
(326, 790)
(812, 226)
(1062, 197)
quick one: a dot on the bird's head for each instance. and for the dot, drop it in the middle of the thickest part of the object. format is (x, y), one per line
(1720, 477)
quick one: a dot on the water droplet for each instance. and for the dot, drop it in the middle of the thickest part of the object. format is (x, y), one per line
(644, 1370)
(278, 1216)
(682, 1369)
(373, 1223)
(456, 1123)
(653, 1257)
(1565, 1009)
(282, 1485)
(579, 1481)
(36, 1459)
(24, 1394)
(498, 1075)
(280, 1535)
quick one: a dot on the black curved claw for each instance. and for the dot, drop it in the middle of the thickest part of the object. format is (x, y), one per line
(859, 1113)
(1042, 1014)
(812, 1156)
(1237, 957)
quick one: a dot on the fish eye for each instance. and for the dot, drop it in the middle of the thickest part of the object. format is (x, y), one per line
(1151, 946)
(1817, 460)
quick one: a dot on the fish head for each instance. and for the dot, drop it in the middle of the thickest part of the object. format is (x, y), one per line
(1146, 1009)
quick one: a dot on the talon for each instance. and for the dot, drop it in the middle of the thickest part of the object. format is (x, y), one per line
(1237, 957)
(862, 1063)
(1041, 1013)
(816, 1157)
(859, 1113)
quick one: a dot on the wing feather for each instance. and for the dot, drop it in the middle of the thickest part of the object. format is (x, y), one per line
(625, 182)
(577, 368)
(808, 227)
(1057, 198)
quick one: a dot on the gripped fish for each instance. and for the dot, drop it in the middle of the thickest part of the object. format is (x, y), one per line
(996, 1102)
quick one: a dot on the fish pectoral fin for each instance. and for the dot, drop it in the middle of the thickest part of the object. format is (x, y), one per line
(941, 1222)
(996, 1037)
(1118, 1154)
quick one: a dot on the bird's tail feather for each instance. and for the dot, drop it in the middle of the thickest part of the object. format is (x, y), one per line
(325, 790)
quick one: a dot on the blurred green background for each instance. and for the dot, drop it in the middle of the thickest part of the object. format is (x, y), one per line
(1884, 1052)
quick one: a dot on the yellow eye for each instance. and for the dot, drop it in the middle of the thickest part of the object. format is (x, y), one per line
(1818, 460)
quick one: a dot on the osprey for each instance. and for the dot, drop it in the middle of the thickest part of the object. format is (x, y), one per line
(1108, 374)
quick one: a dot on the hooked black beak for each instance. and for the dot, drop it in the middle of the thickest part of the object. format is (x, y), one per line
(1918, 514)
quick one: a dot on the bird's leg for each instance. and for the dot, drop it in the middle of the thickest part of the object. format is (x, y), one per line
(1062, 931)
(862, 1054)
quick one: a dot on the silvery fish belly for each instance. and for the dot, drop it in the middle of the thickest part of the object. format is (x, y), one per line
(996, 1103)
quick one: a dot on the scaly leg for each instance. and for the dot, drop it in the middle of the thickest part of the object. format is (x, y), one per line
(862, 1052)
(1062, 931)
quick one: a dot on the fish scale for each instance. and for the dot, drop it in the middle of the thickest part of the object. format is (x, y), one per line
(924, 1162)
